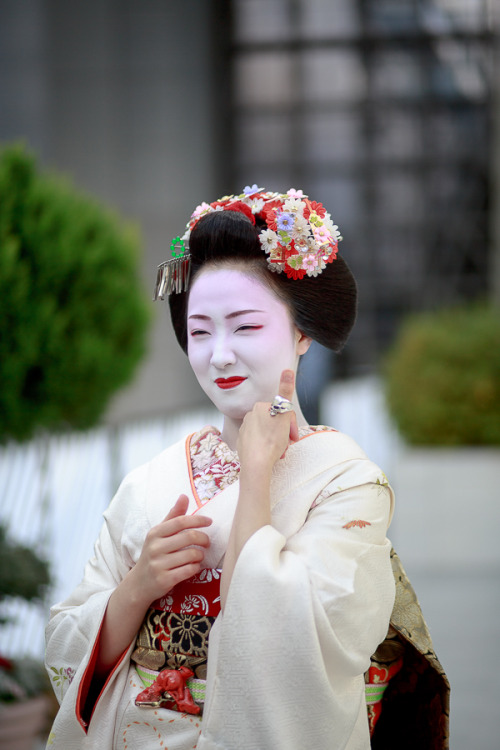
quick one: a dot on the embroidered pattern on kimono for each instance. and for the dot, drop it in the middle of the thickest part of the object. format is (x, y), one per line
(215, 465)
(176, 628)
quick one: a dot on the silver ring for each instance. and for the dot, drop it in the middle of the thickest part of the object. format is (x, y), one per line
(280, 405)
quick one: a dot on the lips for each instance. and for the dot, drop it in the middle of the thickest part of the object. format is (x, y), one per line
(226, 383)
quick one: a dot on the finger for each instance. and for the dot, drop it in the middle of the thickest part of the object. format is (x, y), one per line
(186, 538)
(287, 384)
(171, 527)
(186, 556)
(176, 520)
(179, 509)
(294, 430)
(182, 573)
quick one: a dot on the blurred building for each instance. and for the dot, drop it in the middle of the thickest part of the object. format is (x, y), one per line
(382, 109)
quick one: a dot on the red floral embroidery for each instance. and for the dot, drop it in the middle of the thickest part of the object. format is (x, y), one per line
(199, 595)
(359, 524)
(215, 466)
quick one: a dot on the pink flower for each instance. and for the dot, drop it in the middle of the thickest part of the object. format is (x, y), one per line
(322, 235)
(292, 193)
(201, 209)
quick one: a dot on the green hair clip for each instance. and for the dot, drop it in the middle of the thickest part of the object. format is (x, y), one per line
(176, 243)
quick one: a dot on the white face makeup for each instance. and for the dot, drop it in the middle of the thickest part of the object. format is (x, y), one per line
(240, 339)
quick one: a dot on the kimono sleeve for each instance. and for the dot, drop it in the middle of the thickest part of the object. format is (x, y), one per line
(74, 626)
(302, 618)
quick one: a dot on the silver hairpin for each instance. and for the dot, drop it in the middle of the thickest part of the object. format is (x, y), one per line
(172, 276)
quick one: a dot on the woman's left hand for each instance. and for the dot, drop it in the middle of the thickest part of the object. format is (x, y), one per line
(263, 438)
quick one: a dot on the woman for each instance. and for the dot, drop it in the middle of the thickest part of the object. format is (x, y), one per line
(267, 540)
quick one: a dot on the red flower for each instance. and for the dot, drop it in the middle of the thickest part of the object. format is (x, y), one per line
(291, 249)
(314, 207)
(269, 214)
(332, 255)
(294, 273)
(240, 208)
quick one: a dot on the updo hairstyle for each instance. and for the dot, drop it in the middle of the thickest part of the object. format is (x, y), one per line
(323, 307)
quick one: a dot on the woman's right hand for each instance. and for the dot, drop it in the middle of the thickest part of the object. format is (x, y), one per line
(173, 551)
(168, 557)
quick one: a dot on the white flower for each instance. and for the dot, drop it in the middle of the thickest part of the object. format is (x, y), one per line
(226, 479)
(300, 229)
(209, 442)
(268, 240)
(194, 601)
(206, 487)
(332, 228)
(209, 574)
(199, 461)
(166, 602)
(295, 205)
(257, 205)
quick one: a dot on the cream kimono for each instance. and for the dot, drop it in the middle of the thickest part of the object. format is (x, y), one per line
(309, 602)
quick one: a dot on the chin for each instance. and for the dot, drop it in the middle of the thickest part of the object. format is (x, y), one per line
(234, 411)
(237, 413)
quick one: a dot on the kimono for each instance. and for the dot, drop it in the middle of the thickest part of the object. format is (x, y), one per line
(309, 602)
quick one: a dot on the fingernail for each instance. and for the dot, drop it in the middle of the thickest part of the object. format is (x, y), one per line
(288, 376)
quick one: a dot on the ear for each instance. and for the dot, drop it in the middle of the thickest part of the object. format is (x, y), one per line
(302, 342)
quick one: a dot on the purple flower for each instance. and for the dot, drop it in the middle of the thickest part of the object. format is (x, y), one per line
(251, 189)
(70, 673)
(285, 221)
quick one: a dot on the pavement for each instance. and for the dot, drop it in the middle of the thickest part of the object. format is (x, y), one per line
(462, 610)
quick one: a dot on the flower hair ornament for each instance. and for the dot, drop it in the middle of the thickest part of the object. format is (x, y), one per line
(300, 238)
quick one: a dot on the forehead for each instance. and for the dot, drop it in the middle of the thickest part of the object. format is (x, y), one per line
(229, 289)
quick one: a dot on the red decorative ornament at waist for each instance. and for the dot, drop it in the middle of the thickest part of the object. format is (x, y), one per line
(199, 595)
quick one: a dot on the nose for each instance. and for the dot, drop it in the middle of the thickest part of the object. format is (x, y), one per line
(222, 353)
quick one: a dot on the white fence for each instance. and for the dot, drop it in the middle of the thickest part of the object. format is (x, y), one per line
(53, 492)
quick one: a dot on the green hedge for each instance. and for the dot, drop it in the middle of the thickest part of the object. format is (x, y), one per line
(73, 315)
(443, 377)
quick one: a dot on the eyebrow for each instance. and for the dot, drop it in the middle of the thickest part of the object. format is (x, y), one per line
(228, 317)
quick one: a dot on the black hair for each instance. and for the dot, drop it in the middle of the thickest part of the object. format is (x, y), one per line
(323, 307)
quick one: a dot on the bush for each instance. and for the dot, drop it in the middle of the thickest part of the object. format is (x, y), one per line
(443, 377)
(23, 575)
(73, 316)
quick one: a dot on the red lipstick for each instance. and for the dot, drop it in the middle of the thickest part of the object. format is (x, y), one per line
(226, 383)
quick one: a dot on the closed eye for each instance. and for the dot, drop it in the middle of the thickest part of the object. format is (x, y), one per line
(198, 332)
(249, 328)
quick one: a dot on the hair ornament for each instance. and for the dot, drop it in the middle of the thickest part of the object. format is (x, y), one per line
(173, 274)
(300, 238)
